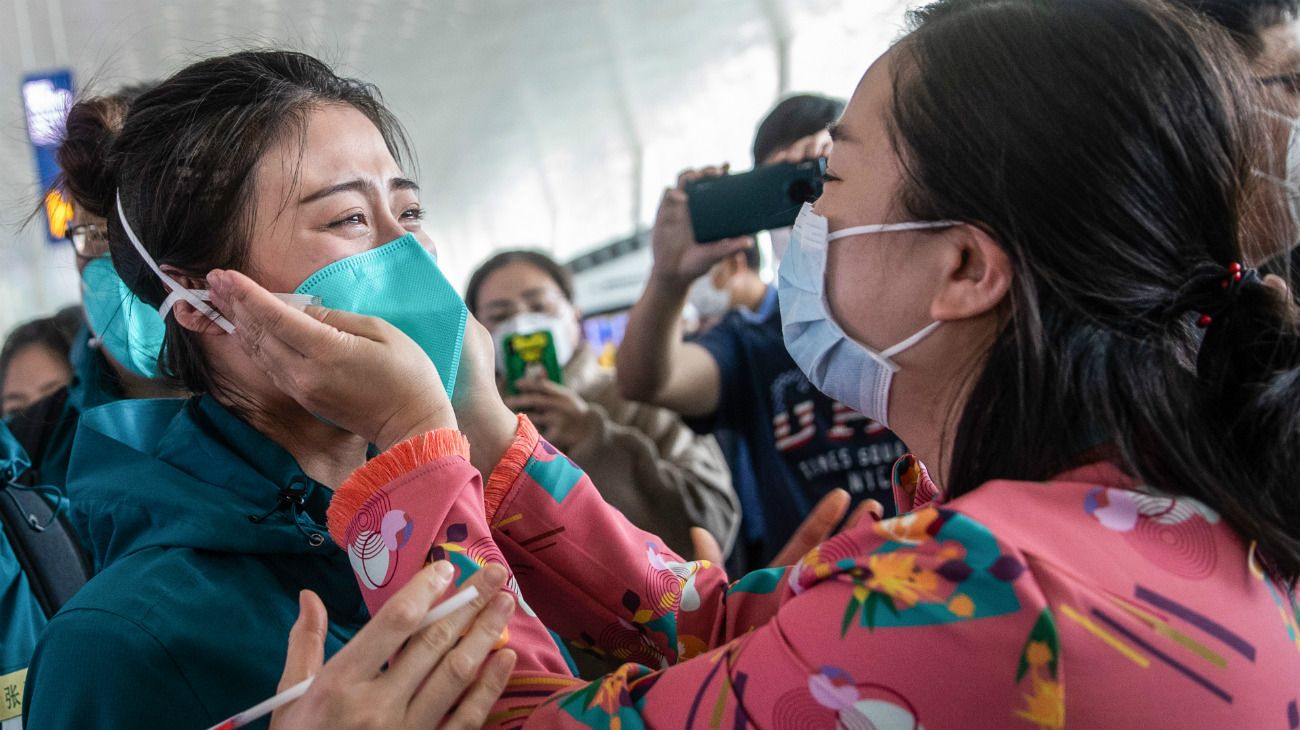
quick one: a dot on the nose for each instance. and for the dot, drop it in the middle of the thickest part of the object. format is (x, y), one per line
(388, 227)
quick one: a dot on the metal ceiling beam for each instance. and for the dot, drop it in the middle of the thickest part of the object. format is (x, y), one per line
(778, 21)
(624, 101)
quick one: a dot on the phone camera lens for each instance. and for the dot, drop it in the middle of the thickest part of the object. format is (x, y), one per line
(801, 191)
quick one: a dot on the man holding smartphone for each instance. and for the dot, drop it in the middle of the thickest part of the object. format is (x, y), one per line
(738, 375)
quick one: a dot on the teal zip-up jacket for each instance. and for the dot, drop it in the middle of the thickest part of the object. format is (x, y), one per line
(21, 617)
(187, 620)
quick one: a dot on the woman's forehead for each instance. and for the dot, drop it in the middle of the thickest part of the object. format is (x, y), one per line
(337, 143)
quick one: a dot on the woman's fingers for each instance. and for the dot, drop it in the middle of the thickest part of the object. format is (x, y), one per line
(462, 665)
(259, 316)
(544, 387)
(475, 705)
(270, 354)
(691, 175)
(869, 507)
(400, 617)
(533, 402)
(306, 641)
(370, 328)
(433, 644)
(815, 528)
(729, 246)
(706, 546)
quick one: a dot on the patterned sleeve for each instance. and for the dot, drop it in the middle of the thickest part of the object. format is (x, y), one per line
(865, 631)
(848, 635)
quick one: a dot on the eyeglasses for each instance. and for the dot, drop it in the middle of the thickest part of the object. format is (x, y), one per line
(88, 240)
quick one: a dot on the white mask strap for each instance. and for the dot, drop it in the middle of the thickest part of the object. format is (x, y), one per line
(909, 342)
(177, 291)
(1279, 116)
(297, 301)
(888, 228)
(1286, 185)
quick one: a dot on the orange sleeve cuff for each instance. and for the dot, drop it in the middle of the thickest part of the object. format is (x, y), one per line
(387, 468)
(507, 471)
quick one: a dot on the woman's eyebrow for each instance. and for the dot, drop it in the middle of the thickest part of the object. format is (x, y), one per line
(359, 186)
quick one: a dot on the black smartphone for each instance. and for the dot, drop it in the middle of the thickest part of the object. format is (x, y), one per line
(764, 198)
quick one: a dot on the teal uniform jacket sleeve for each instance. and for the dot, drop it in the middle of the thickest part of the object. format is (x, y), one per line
(21, 622)
(134, 681)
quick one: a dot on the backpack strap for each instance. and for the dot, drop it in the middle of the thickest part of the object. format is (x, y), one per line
(43, 541)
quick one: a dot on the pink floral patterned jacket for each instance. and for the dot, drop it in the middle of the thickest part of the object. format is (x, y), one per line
(1087, 601)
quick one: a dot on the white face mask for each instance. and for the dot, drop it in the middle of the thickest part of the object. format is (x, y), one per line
(844, 369)
(563, 334)
(709, 301)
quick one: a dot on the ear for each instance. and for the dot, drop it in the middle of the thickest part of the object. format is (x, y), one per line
(975, 275)
(186, 314)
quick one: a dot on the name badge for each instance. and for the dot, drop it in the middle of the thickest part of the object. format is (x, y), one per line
(11, 694)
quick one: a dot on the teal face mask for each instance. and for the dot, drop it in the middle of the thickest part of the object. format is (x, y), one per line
(400, 283)
(128, 329)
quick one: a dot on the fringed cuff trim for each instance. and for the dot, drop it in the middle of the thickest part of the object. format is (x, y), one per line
(507, 471)
(386, 468)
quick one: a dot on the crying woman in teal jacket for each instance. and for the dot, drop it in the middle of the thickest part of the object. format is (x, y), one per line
(206, 517)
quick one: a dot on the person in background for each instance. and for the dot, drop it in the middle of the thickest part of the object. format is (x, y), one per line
(733, 283)
(33, 364)
(1268, 33)
(738, 376)
(794, 131)
(115, 353)
(645, 461)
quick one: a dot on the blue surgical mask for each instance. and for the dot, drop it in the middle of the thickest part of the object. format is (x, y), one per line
(399, 282)
(127, 329)
(844, 369)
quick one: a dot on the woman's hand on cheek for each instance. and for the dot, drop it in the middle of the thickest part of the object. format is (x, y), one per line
(484, 418)
(357, 372)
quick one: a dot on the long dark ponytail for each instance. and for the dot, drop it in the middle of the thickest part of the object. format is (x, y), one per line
(1110, 147)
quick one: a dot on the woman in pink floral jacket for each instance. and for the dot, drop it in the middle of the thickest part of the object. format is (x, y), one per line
(1023, 604)
(1047, 205)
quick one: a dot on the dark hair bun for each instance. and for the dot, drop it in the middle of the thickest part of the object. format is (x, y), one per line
(88, 177)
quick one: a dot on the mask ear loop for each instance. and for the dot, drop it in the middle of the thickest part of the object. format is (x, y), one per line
(889, 228)
(178, 292)
(886, 356)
